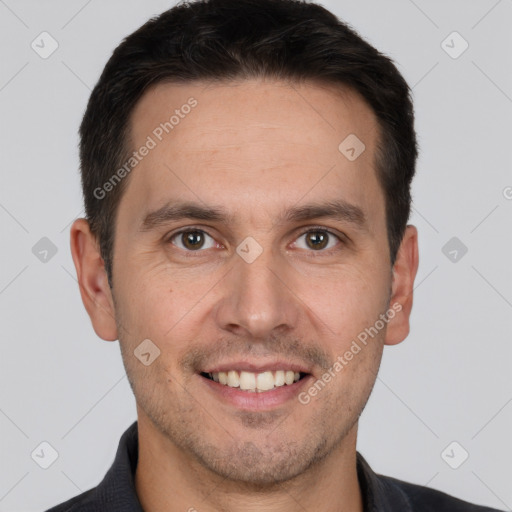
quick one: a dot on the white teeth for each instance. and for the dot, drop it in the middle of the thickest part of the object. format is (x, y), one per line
(233, 379)
(279, 378)
(265, 381)
(256, 382)
(247, 380)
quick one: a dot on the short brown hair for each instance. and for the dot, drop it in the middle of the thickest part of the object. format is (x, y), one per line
(223, 40)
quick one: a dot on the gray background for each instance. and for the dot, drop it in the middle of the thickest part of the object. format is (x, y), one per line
(449, 381)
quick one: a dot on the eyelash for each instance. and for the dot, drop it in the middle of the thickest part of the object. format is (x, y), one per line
(310, 229)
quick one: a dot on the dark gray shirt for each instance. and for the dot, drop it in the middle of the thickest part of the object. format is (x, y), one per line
(116, 492)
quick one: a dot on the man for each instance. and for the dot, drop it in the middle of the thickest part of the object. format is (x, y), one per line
(246, 168)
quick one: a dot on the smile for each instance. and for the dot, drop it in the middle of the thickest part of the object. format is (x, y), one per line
(255, 382)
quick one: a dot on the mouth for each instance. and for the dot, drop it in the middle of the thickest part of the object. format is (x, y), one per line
(255, 382)
(256, 388)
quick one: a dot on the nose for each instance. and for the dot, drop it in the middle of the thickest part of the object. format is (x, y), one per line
(257, 299)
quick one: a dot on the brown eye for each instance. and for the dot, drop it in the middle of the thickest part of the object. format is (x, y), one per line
(192, 240)
(317, 239)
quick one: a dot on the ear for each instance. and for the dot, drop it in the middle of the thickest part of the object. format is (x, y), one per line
(92, 280)
(404, 273)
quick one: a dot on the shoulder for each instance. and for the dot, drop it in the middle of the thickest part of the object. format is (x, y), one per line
(425, 499)
(116, 492)
(82, 503)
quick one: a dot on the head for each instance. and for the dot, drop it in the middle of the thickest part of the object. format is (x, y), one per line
(284, 145)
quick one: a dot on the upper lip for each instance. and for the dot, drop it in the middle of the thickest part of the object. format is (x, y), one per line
(255, 367)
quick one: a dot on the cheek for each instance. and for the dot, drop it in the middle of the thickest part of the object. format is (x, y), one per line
(346, 301)
(159, 302)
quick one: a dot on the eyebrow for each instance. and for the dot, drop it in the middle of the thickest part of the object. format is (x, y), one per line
(340, 210)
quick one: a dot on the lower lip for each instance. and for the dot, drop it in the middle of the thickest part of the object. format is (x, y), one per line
(265, 400)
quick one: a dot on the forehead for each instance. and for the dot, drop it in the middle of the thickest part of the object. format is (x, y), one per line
(326, 111)
(252, 142)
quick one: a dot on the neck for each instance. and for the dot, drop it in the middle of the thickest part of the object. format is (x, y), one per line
(168, 480)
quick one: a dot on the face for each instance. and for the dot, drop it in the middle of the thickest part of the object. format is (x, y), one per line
(251, 252)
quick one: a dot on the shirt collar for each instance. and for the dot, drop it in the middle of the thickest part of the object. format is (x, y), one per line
(118, 487)
(380, 494)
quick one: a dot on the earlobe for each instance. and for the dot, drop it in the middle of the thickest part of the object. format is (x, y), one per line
(92, 280)
(404, 273)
